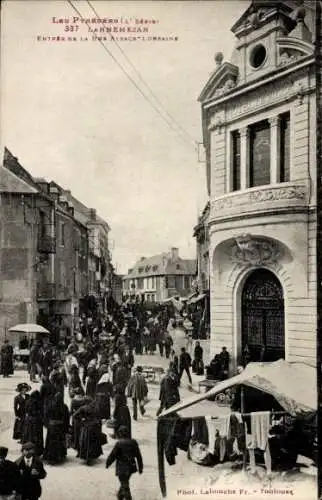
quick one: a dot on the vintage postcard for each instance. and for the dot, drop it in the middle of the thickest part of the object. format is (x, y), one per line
(158, 249)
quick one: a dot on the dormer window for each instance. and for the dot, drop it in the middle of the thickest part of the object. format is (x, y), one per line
(154, 268)
(141, 269)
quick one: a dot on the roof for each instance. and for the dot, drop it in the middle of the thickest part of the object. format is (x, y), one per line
(11, 183)
(82, 212)
(293, 385)
(162, 264)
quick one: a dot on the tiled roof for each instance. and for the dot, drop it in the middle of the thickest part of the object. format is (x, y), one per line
(11, 183)
(162, 264)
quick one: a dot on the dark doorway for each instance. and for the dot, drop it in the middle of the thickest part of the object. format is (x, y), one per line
(263, 329)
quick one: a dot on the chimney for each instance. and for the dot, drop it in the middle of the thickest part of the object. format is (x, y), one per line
(92, 214)
(71, 208)
(174, 253)
(142, 258)
(54, 192)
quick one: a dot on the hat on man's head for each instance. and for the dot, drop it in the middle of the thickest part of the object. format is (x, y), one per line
(23, 386)
(28, 446)
(78, 391)
(139, 369)
(3, 452)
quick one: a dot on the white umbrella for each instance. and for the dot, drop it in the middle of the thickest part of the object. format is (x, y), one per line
(28, 328)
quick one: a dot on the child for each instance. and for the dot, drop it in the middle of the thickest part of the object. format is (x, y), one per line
(31, 472)
(127, 455)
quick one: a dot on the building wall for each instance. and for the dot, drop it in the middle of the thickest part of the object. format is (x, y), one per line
(17, 260)
(279, 217)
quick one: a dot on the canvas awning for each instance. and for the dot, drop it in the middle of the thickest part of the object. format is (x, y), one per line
(293, 385)
(176, 303)
(196, 299)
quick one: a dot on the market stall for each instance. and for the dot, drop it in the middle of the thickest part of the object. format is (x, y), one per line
(21, 337)
(278, 390)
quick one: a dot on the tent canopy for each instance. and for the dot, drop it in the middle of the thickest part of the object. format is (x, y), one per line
(293, 385)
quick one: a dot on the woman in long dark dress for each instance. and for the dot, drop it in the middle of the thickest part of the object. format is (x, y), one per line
(47, 392)
(197, 364)
(6, 359)
(78, 401)
(104, 392)
(74, 381)
(90, 440)
(121, 415)
(57, 418)
(19, 405)
(33, 429)
(91, 382)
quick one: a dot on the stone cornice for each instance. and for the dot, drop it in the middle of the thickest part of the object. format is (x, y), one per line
(270, 95)
(246, 88)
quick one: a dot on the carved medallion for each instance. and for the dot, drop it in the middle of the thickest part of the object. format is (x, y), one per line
(255, 252)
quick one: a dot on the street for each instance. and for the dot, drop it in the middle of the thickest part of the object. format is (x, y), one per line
(76, 480)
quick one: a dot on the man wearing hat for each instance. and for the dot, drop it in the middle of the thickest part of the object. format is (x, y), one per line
(9, 476)
(138, 391)
(31, 471)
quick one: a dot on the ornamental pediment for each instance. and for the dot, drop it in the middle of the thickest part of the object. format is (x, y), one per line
(260, 13)
(221, 81)
(291, 49)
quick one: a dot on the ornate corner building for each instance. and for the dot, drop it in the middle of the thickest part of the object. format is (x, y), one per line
(259, 133)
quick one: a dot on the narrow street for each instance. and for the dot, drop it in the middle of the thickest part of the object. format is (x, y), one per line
(76, 480)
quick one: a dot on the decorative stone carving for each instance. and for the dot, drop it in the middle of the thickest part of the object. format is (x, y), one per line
(235, 200)
(287, 57)
(223, 204)
(254, 251)
(228, 85)
(287, 193)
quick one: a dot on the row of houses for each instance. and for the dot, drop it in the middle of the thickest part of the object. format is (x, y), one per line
(256, 238)
(162, 276)
(55, 261)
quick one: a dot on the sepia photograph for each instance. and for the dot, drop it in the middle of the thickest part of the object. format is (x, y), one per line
(160, 249)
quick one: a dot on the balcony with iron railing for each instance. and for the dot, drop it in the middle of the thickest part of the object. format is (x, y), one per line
(64, 292)
(46, 243)
(46, 291)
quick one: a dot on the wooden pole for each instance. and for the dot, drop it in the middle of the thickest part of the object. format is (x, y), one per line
(242, 411)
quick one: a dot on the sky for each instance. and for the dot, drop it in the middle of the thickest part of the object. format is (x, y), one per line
(70, 114)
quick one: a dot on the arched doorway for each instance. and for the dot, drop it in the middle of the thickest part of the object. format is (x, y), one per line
(263, 324)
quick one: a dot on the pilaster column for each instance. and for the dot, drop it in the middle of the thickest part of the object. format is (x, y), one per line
(275, 141)
(244, 158)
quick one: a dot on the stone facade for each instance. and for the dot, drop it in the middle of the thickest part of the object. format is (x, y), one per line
(160, 277)
(44, 252)
(264, 225)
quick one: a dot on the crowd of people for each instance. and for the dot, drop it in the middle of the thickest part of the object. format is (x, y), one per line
(87, 384)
